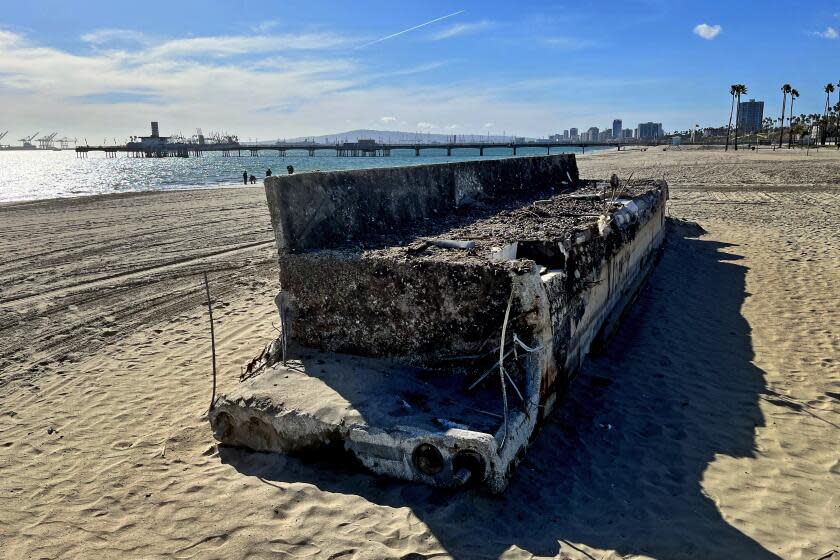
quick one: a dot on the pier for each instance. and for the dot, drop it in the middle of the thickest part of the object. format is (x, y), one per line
(362, 148)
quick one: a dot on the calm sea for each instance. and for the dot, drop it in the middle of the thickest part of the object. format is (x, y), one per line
(40, 175)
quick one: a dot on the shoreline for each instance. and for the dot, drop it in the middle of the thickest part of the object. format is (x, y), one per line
(126, 194)
(235, 184)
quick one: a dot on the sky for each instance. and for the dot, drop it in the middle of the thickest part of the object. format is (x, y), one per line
(280, 69)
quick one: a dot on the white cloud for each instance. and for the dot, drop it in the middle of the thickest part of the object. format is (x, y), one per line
(265, 26)
(408, 71)
(302, 67)
(276, 93)
(706, 31)
(829, 33)
(94, 90)
(104, 36)
(246, 44)
(460, 29)
(9, 39)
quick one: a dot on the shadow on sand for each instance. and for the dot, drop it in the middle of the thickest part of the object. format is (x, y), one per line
(620, 464)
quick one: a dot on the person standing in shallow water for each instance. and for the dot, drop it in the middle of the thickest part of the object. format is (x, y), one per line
(245, 177)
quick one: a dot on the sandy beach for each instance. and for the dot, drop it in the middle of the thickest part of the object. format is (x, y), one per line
(708, 429)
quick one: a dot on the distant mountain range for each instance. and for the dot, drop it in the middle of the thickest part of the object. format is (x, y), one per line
(397, 137)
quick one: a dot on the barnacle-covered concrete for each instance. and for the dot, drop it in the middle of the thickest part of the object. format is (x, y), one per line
(396, 287)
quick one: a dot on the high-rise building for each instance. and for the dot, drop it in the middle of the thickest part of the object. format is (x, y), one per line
(650, 131)
(627, 133)
(616, 129)
(592, 134)
(573, 133)
(565, 134)
(750, 115)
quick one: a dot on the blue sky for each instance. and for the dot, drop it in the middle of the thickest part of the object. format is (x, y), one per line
(266, 69)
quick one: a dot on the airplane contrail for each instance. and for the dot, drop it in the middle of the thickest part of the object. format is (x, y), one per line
(410, 29)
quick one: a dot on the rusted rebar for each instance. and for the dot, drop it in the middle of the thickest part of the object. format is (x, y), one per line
(212, 339)
(502, 367)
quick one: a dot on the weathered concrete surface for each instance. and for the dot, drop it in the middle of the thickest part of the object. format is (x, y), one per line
(610, 262)
(362, 289)
(550, 266)
(322, 210)
(376, 409)
(418, 310)
(422, 303)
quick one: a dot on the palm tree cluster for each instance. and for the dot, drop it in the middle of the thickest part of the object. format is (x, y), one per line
(829, 121)
(797, 125)
(735, 90)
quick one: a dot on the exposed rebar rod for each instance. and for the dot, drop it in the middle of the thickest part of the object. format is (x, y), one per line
(212, 339)
(280, 301)
(502, 368)
(488, 372)
(515, 388)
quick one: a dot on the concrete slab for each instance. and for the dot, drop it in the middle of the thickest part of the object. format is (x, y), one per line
(363, 405)
(406, 326)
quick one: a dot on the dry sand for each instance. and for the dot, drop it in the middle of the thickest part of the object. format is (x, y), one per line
(709, 429)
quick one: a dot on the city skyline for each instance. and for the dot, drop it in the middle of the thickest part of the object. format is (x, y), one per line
(651, 130)
(467, 68)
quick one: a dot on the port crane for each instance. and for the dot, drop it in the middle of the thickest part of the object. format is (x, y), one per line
(27, 142)
(64, 143)
(46, 141)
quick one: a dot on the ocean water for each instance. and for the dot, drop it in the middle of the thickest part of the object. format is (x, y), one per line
(41, 175)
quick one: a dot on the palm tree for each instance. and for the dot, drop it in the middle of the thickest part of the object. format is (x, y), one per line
(805, 120)
(739, 89)
(829, 89)
(834, 119)
(838, 123)
(785, 90)
(731, 110)
(793, 95)
(798, 127)
(768, 124)
(838, 102)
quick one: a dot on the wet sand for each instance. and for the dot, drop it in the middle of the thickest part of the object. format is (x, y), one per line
(709, 427)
